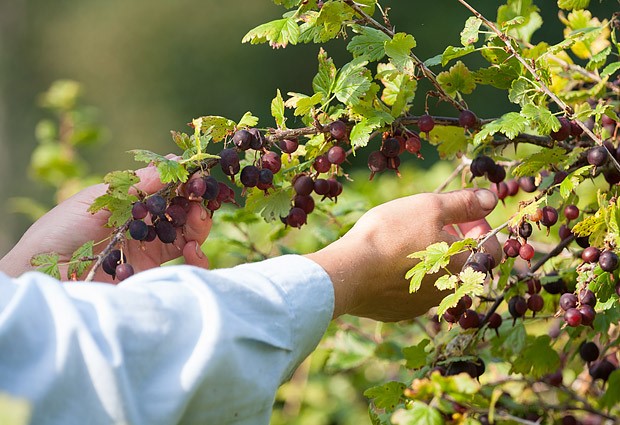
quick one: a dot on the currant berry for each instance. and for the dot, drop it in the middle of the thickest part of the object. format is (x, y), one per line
(258, 140)
(597, 156)
(601, 369)
(608, 260)
(468, 119)
(525, 230)
(156, 205)
(296, 217)
(568, 301)
(413, 143)
(377, 162)
(589, 351)
(564, 232)
(533, 286)
(549, 216)
(176, 215)
(390, 147)
(165, 231)
(526, 252)
(513, 187)
(575, 129)
(338, 130)
(195, 188)
(336, 155)
(321, 187)
(512, 247)
(289, 145)
(469, 319)
(303, 185)
(249, 176)
(138, 230)
(517, 306)
(181, 201)
(497, 174)
(139, 210)
(572, 317)
(124, 271)
(306, 203)
(242, 139)
(321, 164)
(571, 212)
(563, 132)
(587, 297)
(535, 303)
(528, 184)
(588, 314)
(426, 123)
(229, 162)
(271, 161)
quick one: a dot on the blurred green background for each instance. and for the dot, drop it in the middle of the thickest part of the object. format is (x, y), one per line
(150, 67)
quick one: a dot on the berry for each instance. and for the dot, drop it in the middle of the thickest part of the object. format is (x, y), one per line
(589, 351)
(485, 259)
(271, 161)
(377, 162)
(575, 129)
(468, 119)
(195, 188)
(165, 231)
(229, 162)
(321, 187)
(608, 260)
(123, 271)
(390, 147)
(249, 176)
(156, 205)
(139, 210)
(181, 201)
(564, 232)
(469, 319)
(501, 190)
(303, 185)
(242, 139)
(481, 165)
(258, 140)
(138, 230)
(335, 188)
(212, 188)
(512, 247)
(413, 143)
(535, 303)
(517, 306)
(306, 203)
(549, 216)
(597, 156)
(513, 187)
(528, 184)
(568, 301)
(555, 287)
(289, 145)
(559, 177)
(265, 177)
(571, 212)
(495, 321)
(563, 132)
(296, 217)
(526, 252)
(321, 164)
(572, 317)
(587, 314)
(338, 130)
(426, 123)
(587, 297)
(612, 176)
(110, 262)
(601, 369)
(569, 420)
(176, 215)
(336, 155)
(525, 230)
(533, 286)
(497, 174)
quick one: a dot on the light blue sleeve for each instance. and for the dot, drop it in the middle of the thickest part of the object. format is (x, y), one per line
(171, 345)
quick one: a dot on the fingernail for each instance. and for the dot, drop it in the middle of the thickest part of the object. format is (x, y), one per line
(203, 214)
(486, 198)
(199, 252)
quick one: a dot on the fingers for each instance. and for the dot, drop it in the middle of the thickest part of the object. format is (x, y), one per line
(198, 223)
(192, 252)
(464, 206)
(149, 180)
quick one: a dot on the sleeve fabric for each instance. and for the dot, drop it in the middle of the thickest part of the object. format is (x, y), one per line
(173, 345)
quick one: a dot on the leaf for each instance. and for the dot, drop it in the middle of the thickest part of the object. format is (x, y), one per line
(472, 278)
(447, 282)
(570, 183)
(287, 3)
(172, 171)
(611, 397)
(352, 82)
(416, 355)
(537, 358)
(538, 161)
(399, 50)
(326, 77)
(119, 183)
(434, 256)
(350, 350)
(500, 77)
(47, 263)
(450, 140)
(598, 59)
(278, 33)
(247, 120)
(77, 267)
(399, 88)
(469, 35)
(452, 52)
(610, 69)
(271, 207)
(360, 133)
(419, 414)
(573, 4)
(520, 90)
(369, 43)
(523, 18)
(182, 140)
(510, 124)
(457, 79)
(305, 104)
(541, 118)
(277, 110)
(216, 126)
(388, 395)
(515, 340)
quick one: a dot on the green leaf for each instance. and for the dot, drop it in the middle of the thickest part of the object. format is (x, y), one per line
(353, 82)
(537, 358)
(399, 88)
(611, 397)
(172, 171)
(326, 77)
(77, 267)
(573, 4)
(416, 355)
(500, 77)
(277, 110)
(469, 35)
(598, 59)
(247, 120)
(434, 256)
(399, 50)
(538, 161)
(277, 204)
(520, 91)
(360, 133)
(416, 275)
(419, 414)
(515, 340)
(47, 263)
(541, 118)
(570, 183)
(350, 350)
(458, 79)
(278, 33)
(217, 127)
(120, 209)
(369, 43)
(182, 140)
(523, 18)
(388, 395)
(610, 69)
(510, 124)
(119, 183)
(305, 104)
(450, 140)
(452, 52)
(447, 282)
(472, 279)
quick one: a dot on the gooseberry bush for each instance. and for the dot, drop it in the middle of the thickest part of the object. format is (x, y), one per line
(532, 339)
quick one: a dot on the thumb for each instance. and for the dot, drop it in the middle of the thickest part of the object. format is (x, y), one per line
(463, 206)
(192, 252)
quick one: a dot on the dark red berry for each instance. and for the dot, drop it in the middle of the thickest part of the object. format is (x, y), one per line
(242, 139)
(601, 369)
(597, 156)
(296, 217)
(321, 164)
(138, 230)
(336, 155)
(526, 252)
(390, 147)
(589, 351)
(568, 301)
(517, 306)
(549, 216)
(512, 247)
(426, 123)
(608, 260)
(271, 161)
(563, 132)
(588, 314)
(468, 119)
(587, 297)
(535, 303)
(289, 145)
(338, 130)
(528, 184)
(572, 317)
(303, 185)
(139, 210)
(123, 271)
(571, 212)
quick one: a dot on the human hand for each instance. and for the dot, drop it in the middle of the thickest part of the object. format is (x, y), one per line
(69, 225)
(367, 266)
